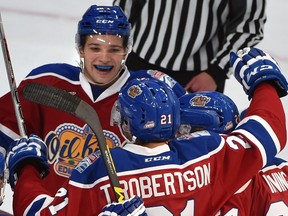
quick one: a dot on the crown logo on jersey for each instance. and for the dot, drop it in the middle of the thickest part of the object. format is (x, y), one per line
(134, 91)
(199, 100)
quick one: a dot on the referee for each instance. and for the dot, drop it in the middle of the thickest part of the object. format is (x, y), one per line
(191, 40)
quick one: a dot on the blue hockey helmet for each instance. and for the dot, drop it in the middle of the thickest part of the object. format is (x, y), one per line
(208, 110)
(150, 109)
(101, 20)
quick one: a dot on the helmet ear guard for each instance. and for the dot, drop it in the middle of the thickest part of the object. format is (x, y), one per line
(151, 108)
(210, 111)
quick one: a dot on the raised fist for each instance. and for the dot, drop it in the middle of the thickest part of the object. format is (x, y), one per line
(252, 66)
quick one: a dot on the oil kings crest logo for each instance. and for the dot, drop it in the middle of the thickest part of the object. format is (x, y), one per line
(199, 100)
(69, 144)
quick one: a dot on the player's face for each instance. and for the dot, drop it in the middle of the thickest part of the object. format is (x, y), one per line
(102, 55)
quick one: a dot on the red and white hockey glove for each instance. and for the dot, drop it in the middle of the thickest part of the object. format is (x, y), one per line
(27, 151)
(252, 66)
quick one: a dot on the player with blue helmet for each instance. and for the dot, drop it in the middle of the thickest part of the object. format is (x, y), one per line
(208, 110)
(106, 24)
(103, 40)
(217, 112)
(194, 174)
(104, 34)
(149, 111)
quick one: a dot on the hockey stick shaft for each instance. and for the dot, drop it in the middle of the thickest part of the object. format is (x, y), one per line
(62, 100)
(12, 82)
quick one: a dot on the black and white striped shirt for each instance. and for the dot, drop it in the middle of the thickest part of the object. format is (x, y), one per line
(189, 35)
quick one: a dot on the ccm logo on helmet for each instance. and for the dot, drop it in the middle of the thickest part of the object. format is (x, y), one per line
(158, 158)
(104, 21)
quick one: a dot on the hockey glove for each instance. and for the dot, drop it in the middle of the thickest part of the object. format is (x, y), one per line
(27, 151)
(252, 66)
(132, 207)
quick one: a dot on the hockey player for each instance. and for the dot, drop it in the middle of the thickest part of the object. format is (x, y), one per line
(103, 40)
(270, 189)
(191, 175)
(267, 192)
(207, 110)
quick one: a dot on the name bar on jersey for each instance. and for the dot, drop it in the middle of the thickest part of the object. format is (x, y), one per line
(164, 184)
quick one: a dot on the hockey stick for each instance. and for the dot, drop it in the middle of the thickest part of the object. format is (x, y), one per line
(62, 100)
(15, 99)
(12, 82)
